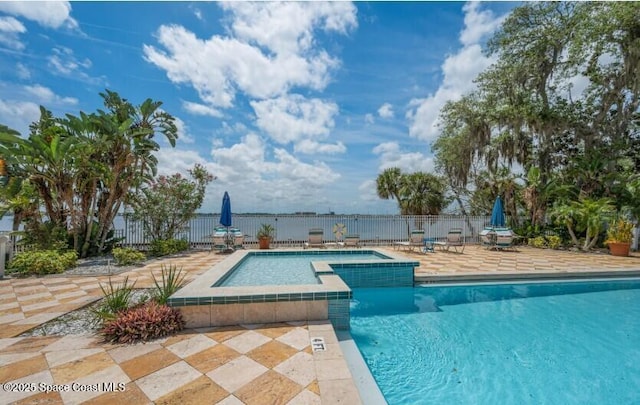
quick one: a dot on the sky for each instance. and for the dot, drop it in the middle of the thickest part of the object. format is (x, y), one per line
(294, 106)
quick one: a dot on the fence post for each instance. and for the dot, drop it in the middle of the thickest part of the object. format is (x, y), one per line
(3, 253)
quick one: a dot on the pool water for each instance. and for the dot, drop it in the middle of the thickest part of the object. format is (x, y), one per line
(545, 343)
(287, 269)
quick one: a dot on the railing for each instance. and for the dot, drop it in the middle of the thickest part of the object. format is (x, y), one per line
(293, 230)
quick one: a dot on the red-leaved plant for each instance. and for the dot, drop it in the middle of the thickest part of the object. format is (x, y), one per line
(142, 323)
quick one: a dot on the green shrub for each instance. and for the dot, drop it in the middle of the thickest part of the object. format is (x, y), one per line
(40, 262)
(127, 256)
(172, 281)
(148, 321)
(538, 242)
(543, 242)
(554, 242)
(163, 247)
(116, 300)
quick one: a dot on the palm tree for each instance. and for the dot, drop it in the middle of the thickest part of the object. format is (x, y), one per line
(126, 133)
(388, 185)
(83, 167)
(423, 194)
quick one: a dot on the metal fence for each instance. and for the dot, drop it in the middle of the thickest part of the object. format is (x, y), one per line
(292, 230)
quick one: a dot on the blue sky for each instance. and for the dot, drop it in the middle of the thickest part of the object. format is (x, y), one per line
(293, 106)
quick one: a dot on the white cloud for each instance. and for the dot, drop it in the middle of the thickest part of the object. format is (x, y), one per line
(23, 71)
(174, 160)
(52, 14)
(478, 23)
(410, 162)
(201, 109)
(45, 95)
(18, 114)
(10, 30)
(295, 119)
(287, 27)
(311, 147)
(252, 170)
(219, 67)
(459, 70)
(385, 111)
(198, 14)
(368, 118)
(63, 62)
(368, 191)
(183, 131)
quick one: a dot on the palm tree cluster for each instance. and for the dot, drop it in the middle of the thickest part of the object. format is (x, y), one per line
(416, 193)
(80, 169)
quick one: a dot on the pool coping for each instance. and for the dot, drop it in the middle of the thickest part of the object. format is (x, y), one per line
(199, 291)
(517, 276)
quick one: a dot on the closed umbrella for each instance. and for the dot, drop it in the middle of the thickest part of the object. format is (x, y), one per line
(497, 215)
(225, 212)
(225, 217)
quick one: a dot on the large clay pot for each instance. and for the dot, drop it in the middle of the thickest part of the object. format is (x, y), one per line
(619, 248)
(264, 243)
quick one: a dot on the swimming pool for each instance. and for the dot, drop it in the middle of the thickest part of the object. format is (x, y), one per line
(265, 268)
(550, 342)
(206, 301)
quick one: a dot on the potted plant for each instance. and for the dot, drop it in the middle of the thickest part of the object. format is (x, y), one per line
(619, 237)
(265, 235)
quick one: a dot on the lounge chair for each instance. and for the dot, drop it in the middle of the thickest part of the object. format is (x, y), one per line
(505, 239)
(351, 241)
(498, 238)
(219, 238)
(315, 238)
(238, 239)
(415, 240)
(455, 240)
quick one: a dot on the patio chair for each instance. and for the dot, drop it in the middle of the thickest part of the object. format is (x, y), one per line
(219, 238)
(487, 237)
(455, 240)
(505, 239)
(415, 240)
(351, 241)
(315, 238)
(238, 239)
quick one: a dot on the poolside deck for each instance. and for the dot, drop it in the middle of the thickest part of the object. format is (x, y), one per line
(277, 363)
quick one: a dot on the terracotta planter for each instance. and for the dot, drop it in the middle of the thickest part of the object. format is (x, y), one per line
(264, 243)
(619, 248)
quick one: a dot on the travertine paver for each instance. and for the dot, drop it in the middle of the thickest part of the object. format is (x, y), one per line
(245, 364)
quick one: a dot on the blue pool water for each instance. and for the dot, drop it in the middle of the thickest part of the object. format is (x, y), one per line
(557, 343)
(287, 268)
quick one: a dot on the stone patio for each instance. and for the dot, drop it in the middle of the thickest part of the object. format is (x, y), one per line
(246, 364)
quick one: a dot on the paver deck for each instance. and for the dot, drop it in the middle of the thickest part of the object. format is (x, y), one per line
(245, 364)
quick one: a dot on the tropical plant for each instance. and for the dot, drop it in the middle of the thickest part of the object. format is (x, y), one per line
(82, 168)
(161, 247)
(167, 204)
(572, 143)
(127, 256)
(620, 231)
(388, 184)
(148, 321)
(117, 298)
(584, 215)
(172, 280)
(416, 193)
(266, 231)
(41, 262)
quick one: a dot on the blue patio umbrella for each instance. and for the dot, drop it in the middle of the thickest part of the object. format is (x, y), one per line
(225, 212)
(497, 215)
